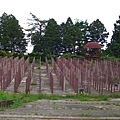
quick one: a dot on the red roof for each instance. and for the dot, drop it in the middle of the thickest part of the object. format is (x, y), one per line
(92, 45)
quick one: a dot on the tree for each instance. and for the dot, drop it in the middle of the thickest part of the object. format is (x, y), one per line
(69, 22)
(52, 37)
(11, 34)
(68, 31)
(83, 29)
(72, 35)
(98, 32)
(36, 33)
(114, 47)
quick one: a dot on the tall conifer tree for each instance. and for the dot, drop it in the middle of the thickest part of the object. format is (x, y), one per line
(12, 37)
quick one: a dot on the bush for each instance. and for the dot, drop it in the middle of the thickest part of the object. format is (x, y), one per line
(66, 55)
(69, 55)
(20, 55)
(3, 53)
(110, 58)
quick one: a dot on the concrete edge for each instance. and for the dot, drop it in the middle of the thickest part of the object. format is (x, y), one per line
(57, 117)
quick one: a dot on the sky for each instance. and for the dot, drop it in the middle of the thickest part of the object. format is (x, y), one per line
(107, 11)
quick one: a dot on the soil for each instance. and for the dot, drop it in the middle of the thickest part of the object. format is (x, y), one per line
(68, 109)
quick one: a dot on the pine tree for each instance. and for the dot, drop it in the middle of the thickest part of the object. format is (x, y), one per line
(52, 37)
(67, 34)
(98, 32)
(83, 35)
(71, 36)
(36, 33)
(11, 34)
(114, 47)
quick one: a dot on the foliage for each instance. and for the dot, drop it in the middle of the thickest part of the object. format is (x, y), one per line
(76, 35)
(20, 55)
(11, 34)
(37, 56)
(83, 38)
(110, 58)
(20, 99)
(67, 33)
(52, 38)
(7, 96)
(33, 83)
(36, 32)
(84, 27)
(69, 55)
(98, 32)
(11, 54)
(71, 35)
(66, 55)
(17, 102)
(3, 53)
(48, 37)
(114, 47)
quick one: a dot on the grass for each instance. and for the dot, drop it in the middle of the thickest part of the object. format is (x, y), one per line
(20, 99)
(86, 97)
(33, 83)
(93, 115)
(6, 96)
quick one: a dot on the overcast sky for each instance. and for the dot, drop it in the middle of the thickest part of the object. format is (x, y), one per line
(107, 11)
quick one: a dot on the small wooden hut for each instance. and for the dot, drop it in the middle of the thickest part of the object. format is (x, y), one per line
(92, 50)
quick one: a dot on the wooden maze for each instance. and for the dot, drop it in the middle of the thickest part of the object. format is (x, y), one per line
(102, 76)
(14, 70)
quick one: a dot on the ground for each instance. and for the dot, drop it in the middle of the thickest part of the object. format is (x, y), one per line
(58, 109)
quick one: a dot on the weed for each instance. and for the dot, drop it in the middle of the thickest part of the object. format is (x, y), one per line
(6, 96)
(33, 97)
(39, 67)
(16, 103)
(33, 83)
(83, 115)
(36, 113)
(2, 108)
(55, 105)
(108, 103)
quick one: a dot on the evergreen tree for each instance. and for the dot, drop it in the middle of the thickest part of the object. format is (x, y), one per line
(83, 37)
(11, 34)
(36, 33)
(52, 37)
(98, 32)
(69, 22)
(71, 36)
(62, 34)
(67, 35)
(114, 47)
